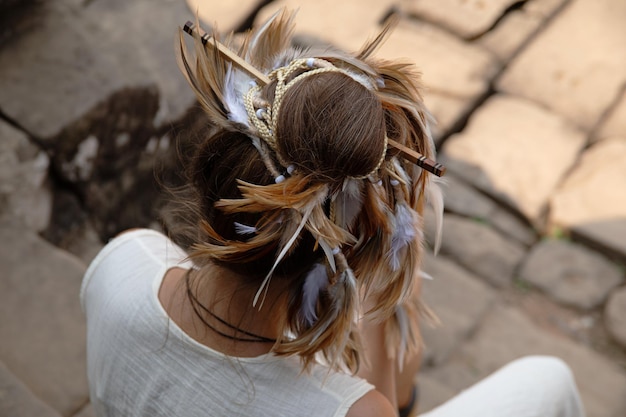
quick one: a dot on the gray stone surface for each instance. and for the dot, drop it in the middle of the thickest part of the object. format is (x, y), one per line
(461, 198)
(574, 72)
(498, 152)
(16, 400)
(77, 57)
(570, 273)
(591, 201)
(42, 330)
(479, 248)
(25, 196)
(468, 19)
(507, 334)
(615, 316)
(448, 295)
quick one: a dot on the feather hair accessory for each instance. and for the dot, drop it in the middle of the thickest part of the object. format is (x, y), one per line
(315, 281)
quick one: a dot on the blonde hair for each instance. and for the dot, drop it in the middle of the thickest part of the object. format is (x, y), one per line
(313, 196)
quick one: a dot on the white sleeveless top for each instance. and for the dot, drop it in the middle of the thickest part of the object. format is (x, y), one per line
(140, 363)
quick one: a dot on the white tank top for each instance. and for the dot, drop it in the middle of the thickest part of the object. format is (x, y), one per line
(140, 363)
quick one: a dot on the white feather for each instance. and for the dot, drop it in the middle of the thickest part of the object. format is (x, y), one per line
(244, 229)
(315, 281)
(235, 84)
(328, 251)
(425, 275)
(348, 203)
(280, 256)
(404, 232)
(403, 328)
(434, 197)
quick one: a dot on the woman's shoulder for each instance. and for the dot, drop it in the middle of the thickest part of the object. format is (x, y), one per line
(372, 404)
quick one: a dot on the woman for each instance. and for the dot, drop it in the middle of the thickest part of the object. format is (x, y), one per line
(303, 276)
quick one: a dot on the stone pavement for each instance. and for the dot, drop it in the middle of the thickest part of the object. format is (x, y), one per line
(530, 99)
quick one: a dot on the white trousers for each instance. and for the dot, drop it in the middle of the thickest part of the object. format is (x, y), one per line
(534, 386)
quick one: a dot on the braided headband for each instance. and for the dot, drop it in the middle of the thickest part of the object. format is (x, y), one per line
(210, 42)
(264, 116)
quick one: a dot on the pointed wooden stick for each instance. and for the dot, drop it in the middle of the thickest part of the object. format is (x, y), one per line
(210, 42)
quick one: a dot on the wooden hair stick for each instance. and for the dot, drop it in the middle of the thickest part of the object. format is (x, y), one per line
(210, 42)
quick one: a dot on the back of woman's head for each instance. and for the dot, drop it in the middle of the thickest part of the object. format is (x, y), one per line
(296, 184)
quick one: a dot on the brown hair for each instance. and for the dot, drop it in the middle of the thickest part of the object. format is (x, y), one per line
(342, 209)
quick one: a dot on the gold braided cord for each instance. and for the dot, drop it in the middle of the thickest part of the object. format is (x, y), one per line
(265, 119)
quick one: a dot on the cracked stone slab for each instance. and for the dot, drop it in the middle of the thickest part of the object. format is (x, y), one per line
(479, 248)
(591, 201)
(511, 34)
(16, 400)
(345, 24)
(455, 73)
(459, 299)
(461, 198)
(615, 124)
(77, 57)
(507, 334)
(25, 196)
(43, 337)
(574, 72)
(467, 19)
(498, 152)
(615, 316)
(570, 273)
(225, 16)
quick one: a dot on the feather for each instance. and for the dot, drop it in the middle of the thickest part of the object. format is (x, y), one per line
(271, 39)
(434, 197)
(243, 229)
(235, 85)
(425, 275)
(315, 281)
(348, 203)
(328, 251)
(405, 231)
(279, 258)
(403, 328)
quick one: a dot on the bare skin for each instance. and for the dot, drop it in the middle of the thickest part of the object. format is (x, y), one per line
(232, 306)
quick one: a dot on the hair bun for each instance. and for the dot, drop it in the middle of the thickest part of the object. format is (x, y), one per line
(331, 126)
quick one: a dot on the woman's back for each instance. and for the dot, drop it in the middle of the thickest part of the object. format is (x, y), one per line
(141, 363)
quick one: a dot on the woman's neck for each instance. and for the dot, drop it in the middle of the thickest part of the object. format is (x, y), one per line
(214, 307)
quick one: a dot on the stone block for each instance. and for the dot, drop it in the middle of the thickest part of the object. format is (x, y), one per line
(511, 34)
(574, 72)
(77, 57)
(16, 400)
(467, 19)
(455, 73)
(516, 151)
(447, 295)
(506, 334)
(479, 248)
(570, 273)
(43, 330)
(25, 196)
(461, 198)
(345, 24)
(225, 16)
(615, 123)
(591, 202)
(615, 316)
